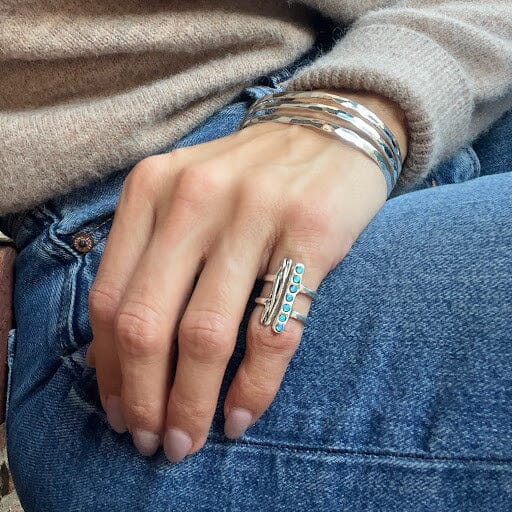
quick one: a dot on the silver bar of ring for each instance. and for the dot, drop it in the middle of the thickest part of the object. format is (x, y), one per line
(287, 284)
(293, 314)
(302, 289)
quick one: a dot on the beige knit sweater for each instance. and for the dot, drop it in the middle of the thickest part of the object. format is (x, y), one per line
(90, 86)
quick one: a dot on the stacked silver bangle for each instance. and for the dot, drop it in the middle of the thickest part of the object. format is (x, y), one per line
(348, 120)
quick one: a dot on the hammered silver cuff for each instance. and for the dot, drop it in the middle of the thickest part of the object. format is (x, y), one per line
(360, 127)
(365, 130)
(346, 103)
(348, 136)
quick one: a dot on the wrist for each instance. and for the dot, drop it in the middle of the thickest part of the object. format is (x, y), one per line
(387, 110)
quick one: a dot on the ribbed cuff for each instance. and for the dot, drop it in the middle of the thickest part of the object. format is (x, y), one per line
(412, 70)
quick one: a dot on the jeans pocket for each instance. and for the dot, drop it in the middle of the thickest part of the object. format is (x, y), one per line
(63, 242)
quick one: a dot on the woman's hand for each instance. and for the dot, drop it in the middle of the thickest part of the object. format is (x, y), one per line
(225, 212)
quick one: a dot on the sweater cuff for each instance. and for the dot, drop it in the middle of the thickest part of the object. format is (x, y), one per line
(413, 71)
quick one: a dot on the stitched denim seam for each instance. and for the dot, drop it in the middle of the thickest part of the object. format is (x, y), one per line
(475, 161)
(11, 352)
(367, 453)
(38, 214)
(75, 367)
(71, 279)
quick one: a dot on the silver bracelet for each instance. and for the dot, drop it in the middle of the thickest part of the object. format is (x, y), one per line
(362, 127)
(347, 103)
(348, 136)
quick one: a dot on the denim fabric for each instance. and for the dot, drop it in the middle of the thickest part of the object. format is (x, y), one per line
(399, 397)
(492, 150)
(464, 165)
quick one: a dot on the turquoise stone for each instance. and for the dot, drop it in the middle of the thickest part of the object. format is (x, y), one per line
(282, 318)
(299, 269)
(293, 288)
(289, 297)
(296, 279)
(286, 308)
(279, 327)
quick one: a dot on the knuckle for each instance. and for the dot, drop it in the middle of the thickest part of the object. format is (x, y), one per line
(146, 171)
(138, 331)
(139, 413)
(205, 335)
(313, 231)
(197, 185)
(310, 220)
(103, 301)
(178, 155)
(197, 411)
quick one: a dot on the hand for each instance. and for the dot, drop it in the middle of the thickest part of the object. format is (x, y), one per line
(225, 213)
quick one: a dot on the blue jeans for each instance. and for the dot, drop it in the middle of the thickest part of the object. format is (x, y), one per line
(399, 397)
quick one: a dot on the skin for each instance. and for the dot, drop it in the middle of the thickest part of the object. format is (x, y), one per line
(225, 213)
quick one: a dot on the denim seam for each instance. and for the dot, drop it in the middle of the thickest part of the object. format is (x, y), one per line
(38, 214)
(11, 352)
(71, 278)
(65, 306)
(475, 161)
(367, 453)
(77, 369)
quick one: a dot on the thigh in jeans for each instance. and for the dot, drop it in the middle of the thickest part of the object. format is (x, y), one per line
(398, 398)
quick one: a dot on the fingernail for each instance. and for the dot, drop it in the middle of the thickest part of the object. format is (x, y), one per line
(146, 442)
(237, 422)
(177, 444)
(115, 414)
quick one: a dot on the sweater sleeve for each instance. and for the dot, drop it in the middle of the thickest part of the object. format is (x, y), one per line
(448, 64)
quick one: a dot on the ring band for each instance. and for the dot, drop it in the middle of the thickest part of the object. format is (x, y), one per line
(287, 284)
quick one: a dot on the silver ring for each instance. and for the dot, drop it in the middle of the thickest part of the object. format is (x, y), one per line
(278, 306)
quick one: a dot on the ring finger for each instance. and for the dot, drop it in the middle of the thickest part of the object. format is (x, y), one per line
(268, 353)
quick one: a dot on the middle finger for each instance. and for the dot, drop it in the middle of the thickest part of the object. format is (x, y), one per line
(208, 331)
